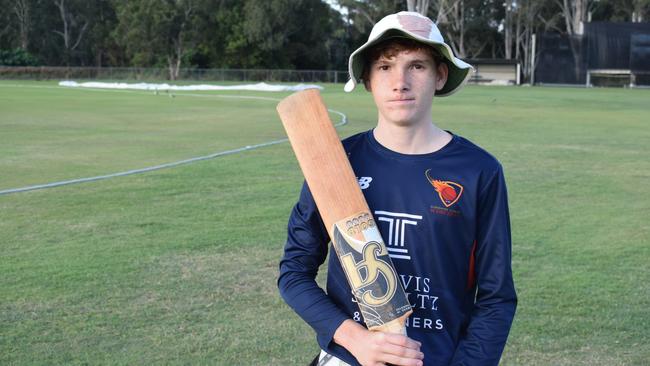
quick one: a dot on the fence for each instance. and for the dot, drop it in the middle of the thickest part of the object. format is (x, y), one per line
(157, 74)
(196, 75)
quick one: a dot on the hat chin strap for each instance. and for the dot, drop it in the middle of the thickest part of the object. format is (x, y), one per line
(349, 86)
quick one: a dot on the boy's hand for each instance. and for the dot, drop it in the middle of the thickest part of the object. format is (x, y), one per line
(378, 348)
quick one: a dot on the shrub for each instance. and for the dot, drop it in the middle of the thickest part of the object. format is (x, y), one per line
(17, 57)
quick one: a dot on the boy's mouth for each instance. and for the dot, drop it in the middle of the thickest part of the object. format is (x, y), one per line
(401, 100)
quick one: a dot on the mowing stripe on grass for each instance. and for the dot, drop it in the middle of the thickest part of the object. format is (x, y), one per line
(166, 165)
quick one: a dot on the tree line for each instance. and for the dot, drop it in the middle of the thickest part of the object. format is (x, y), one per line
(286, 34)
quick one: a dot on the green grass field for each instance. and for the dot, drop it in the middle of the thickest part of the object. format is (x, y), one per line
(178, 266)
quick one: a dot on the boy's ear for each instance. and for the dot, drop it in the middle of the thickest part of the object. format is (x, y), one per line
(366, 84)
(442, 72)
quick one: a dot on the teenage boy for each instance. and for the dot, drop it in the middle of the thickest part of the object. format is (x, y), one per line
(440, 204)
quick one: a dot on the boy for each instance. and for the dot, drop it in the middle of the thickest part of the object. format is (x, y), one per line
(440, 204)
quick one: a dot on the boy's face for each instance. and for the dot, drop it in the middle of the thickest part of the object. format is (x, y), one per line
(403, 86)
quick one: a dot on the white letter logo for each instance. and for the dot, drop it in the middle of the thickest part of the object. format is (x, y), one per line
(397, 222)
(364, 182)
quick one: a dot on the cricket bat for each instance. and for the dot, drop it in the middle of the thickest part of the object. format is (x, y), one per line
(356, 239)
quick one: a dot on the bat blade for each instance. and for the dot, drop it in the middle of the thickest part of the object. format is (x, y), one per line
(345, 213)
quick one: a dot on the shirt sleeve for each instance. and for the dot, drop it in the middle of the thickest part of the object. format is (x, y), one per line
(305, 250)
(494, 307)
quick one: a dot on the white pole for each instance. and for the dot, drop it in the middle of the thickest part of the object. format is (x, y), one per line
(532, 61)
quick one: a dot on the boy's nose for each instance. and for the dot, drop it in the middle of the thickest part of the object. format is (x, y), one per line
(400, 81)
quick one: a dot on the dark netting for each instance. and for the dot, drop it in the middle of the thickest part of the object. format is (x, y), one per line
(640, 52)
(560, 59)
(613, 54)
(609, 44)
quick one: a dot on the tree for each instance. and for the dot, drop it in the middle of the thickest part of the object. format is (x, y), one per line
(268, 25)
(156, 32)
(21, 9)
(305, 34)
(101, 45)
(227, 37)
(621, 10)
(510, 7)
(527, 24)
(450, 16)
(575, 14)
(363, 14)
(72, 19)
(640, 10)
(179, 27)
(313, 24)
(6, 30)
(482, 27)
(15, 23)
(286, 34)
(420, 6)
(469, 26)
(17, 57)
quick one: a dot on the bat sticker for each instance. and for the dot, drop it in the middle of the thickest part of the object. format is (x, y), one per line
(369, 270)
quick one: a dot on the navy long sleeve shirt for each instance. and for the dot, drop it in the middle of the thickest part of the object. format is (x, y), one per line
(444, 219)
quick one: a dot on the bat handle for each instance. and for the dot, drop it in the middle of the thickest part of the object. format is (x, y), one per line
(395, 326)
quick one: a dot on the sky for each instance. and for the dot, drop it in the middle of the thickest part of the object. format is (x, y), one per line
(334, 4)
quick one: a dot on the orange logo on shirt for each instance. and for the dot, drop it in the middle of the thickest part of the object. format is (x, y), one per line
(449, 192)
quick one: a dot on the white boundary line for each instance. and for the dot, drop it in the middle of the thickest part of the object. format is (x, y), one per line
(344, 120)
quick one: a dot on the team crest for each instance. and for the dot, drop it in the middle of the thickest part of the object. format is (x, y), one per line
(449, 192)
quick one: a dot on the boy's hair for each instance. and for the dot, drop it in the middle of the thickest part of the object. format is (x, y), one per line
(391, 47)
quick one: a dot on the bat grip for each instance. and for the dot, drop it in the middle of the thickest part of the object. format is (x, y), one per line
(395, 326)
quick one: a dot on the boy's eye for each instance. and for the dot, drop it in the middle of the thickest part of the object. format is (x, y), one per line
(383, 67)
(418, 66)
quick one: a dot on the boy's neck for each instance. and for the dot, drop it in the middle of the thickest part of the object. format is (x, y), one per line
(422, 138)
